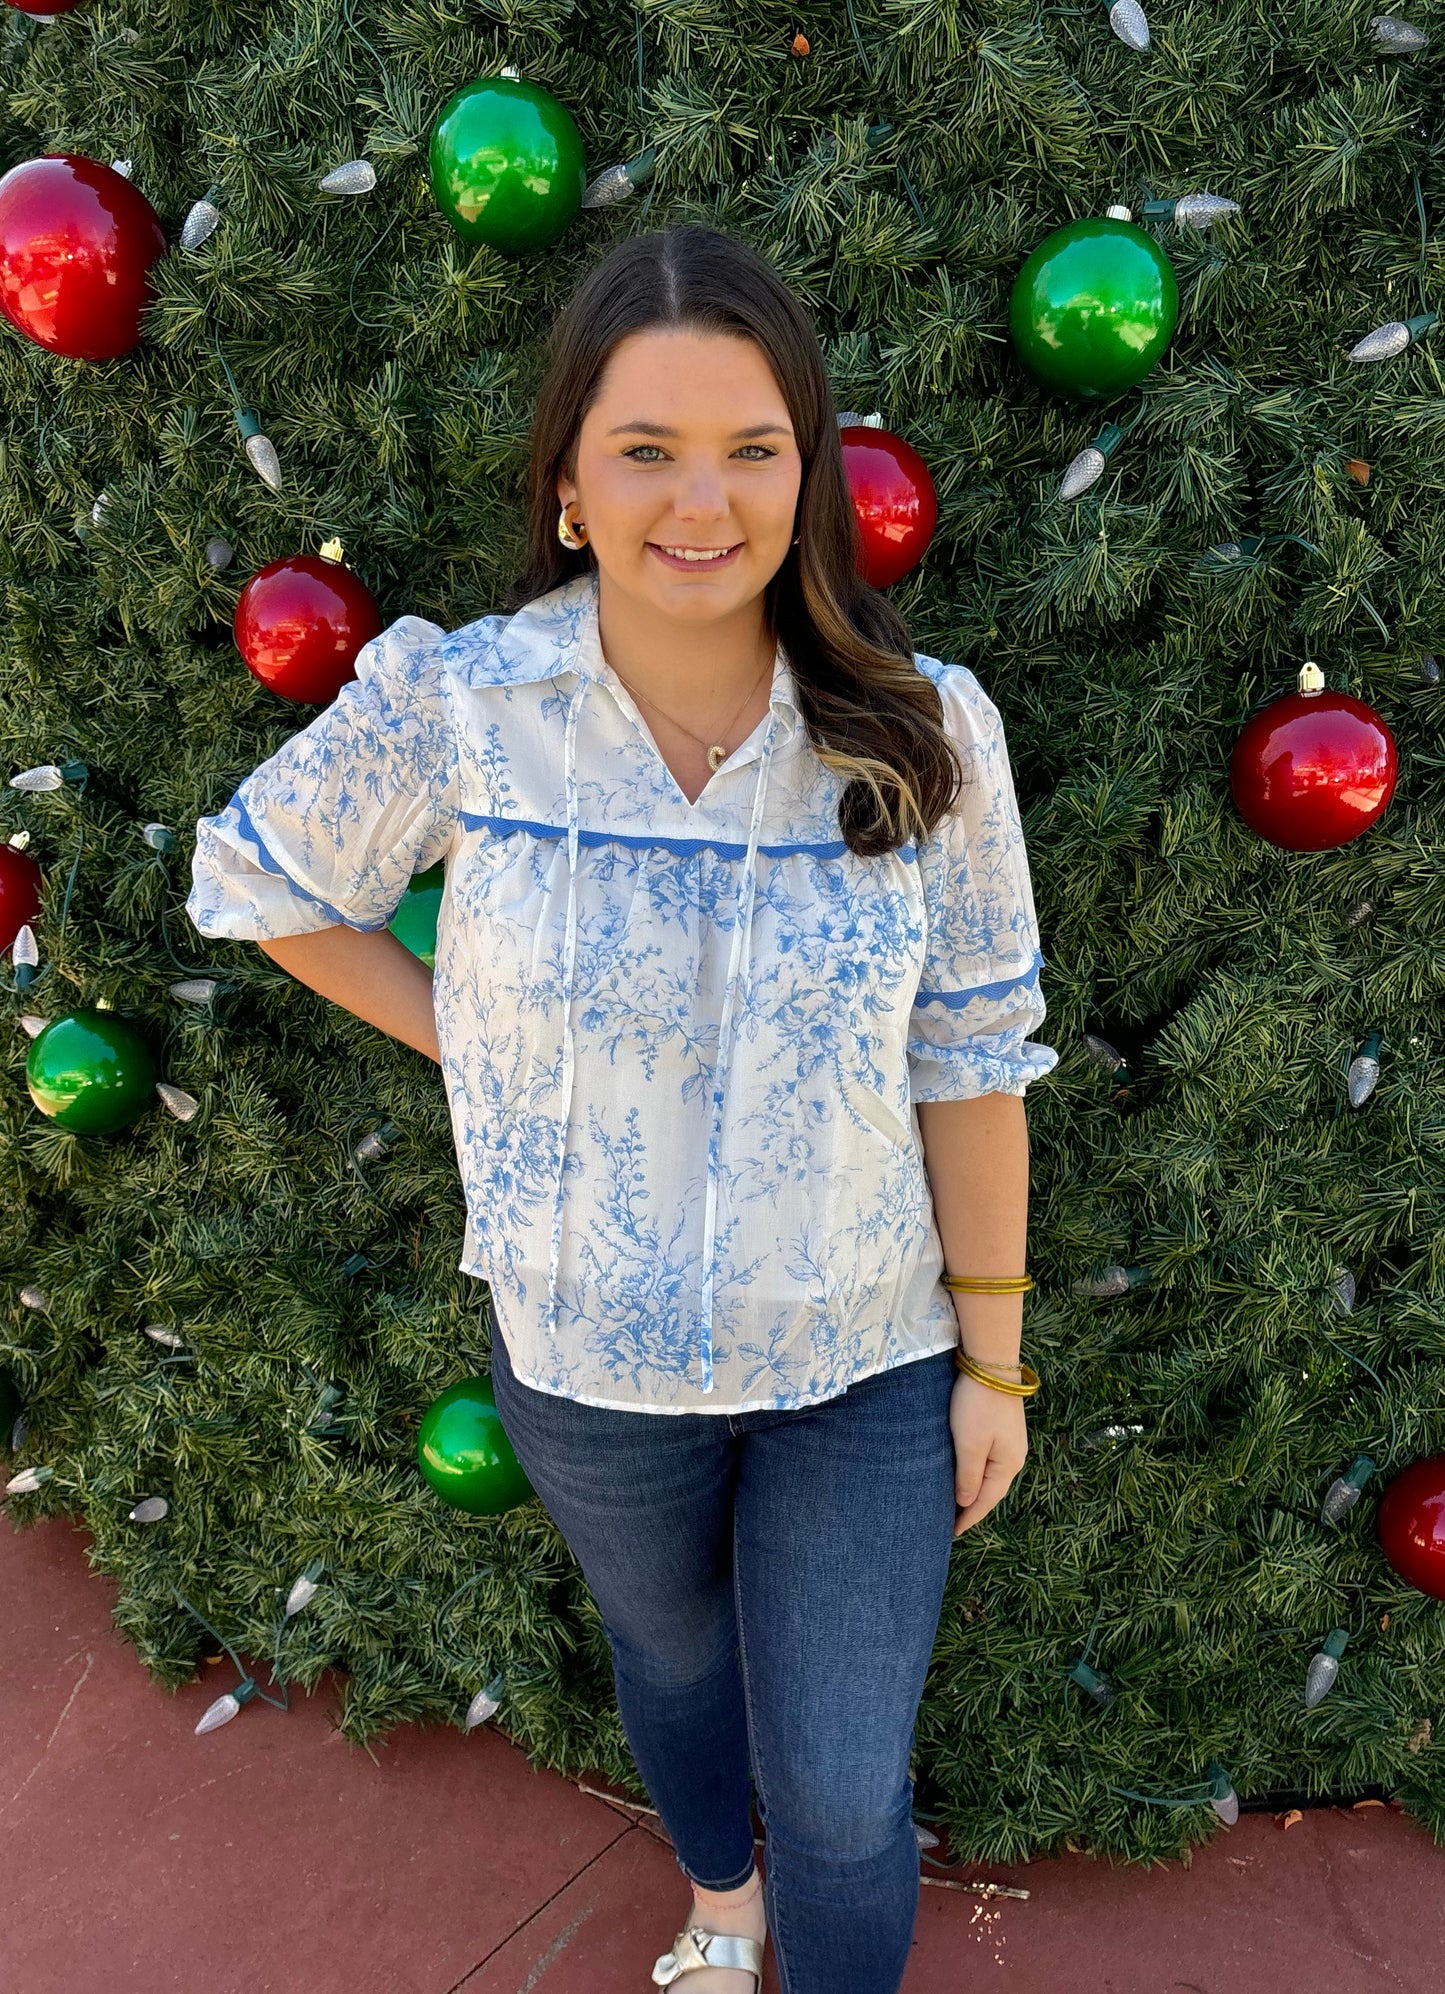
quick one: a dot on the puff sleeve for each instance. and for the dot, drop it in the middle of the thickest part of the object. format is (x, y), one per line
(330, 830)
(978, 997)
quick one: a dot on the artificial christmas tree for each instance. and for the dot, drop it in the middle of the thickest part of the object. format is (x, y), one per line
(250, 1312)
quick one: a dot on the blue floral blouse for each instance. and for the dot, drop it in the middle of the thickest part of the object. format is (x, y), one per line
(681, 1042)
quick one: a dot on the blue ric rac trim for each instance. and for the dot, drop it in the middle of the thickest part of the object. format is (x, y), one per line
(270, 864)
(681, 847)
(956, 999)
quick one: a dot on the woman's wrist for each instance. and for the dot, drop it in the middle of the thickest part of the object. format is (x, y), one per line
(990, 1328)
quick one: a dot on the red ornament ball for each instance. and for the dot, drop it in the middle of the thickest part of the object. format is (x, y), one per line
(1313, 770)
(894, 499)
(20, 882)
(44, 10)
(77, 242)
(300, 623)
(1411, 1524)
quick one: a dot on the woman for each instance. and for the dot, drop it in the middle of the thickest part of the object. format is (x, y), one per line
(735, 968)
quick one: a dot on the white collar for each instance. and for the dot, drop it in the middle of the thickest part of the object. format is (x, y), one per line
(559, 632)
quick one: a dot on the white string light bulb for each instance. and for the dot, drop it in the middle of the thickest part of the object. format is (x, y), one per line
(1397, 37)
(260, 450)
(1324, 1667)
(486, 1703)
(1344, 1492)
(202, 220)
(1126, 18)
(1364, 1070)
(356, 176)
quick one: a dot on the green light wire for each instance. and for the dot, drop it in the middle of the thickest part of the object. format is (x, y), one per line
(285, 1702)
(1424, 237)
(1390, 1455)
(1156, 1800)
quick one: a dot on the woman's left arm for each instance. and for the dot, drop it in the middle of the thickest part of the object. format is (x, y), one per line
(976, 1153)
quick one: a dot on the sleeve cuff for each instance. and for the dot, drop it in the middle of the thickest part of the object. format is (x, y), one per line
(237, 898)
(973, 1067)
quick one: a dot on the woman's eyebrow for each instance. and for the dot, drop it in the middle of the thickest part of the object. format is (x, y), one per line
(660, 429)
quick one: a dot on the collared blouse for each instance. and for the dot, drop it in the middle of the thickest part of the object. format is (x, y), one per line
(682, 1043)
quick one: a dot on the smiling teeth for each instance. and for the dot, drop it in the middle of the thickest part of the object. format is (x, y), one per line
(693, 554)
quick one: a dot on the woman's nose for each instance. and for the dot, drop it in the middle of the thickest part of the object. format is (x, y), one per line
(700, 494)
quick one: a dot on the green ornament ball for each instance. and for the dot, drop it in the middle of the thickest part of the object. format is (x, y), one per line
(463, 1451)
(1094, 307)
(91, 1071)
(415, 921)
(506, 164)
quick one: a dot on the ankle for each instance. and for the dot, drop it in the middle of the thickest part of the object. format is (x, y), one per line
(739, 1910)
(742, 1893)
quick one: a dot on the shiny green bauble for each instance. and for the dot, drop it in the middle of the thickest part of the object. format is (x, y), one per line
(91, 1071)
(1094, 307)
(415, 921)
(464, 1452)
(506, 164)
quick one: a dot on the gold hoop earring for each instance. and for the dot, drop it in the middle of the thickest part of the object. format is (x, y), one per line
(565, 533)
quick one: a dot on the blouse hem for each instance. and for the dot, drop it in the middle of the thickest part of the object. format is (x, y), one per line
(797, 1405)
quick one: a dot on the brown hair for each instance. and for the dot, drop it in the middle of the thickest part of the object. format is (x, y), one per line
(871, 715)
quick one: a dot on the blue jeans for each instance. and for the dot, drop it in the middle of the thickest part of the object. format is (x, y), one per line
(770, 1584)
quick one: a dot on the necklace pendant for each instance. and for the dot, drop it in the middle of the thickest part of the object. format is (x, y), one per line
(716, 755)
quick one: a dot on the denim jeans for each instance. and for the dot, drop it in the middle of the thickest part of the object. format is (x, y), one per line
(770, 1584)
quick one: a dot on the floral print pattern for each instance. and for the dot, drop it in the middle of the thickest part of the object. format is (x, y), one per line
(682, 1043)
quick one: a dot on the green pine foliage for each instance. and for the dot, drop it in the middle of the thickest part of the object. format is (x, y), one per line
(898, 175)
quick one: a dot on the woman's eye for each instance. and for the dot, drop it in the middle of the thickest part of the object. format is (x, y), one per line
(634, 448)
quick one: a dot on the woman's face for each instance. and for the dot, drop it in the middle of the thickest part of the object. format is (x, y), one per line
(688, 445)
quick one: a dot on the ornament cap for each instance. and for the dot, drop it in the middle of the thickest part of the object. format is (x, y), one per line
(1311, 678)
(332, 550)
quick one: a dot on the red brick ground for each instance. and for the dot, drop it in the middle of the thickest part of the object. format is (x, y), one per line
(272, 1858)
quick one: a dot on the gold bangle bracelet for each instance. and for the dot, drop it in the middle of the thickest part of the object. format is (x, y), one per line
(988, 1284)
(1025, 1389)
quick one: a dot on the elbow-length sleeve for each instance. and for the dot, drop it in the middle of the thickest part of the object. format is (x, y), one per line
(329, 831)
(978, 997)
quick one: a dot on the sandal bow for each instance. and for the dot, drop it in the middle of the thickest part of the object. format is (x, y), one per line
(694, 1947)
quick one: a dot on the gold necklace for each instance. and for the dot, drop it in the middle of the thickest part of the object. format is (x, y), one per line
(716, 752)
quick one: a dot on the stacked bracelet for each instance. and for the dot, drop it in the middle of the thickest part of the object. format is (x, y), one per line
(1024, 1389)
(990, 1284)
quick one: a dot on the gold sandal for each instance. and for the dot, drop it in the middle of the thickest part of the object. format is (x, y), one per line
(694, 1947)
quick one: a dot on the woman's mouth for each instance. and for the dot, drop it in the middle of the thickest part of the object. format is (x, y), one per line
(695, 560)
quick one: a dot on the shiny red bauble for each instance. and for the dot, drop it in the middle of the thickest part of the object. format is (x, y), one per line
(77, 242)
(44, 10)
(894, 499)
(300, 623)
(20, 882)
(1411, 1524)
(1313, 770)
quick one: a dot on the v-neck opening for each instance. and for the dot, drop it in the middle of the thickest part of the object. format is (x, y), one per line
(631, 711)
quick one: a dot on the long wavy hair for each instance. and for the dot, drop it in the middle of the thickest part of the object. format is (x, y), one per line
(871, 715)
